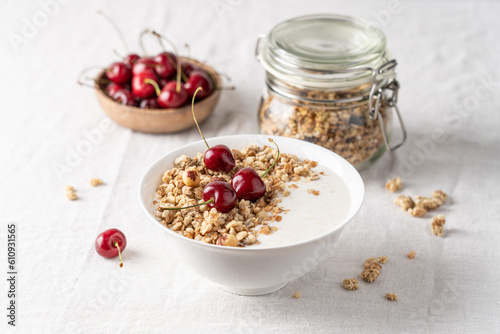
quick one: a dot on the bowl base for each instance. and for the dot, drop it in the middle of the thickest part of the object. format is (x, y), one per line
(252, 292)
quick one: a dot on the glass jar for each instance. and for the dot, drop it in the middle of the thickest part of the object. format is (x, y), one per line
(330, 81)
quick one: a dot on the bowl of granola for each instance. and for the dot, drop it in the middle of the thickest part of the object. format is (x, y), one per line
(259, 246)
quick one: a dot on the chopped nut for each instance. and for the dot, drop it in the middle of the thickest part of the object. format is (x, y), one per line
(96, 182)
(405, 202)
(227, 240)
(391, 296)
(417, 211)
(437, 225)
(70, 188)
(71, 195)
(370, 275)
(351, 284)
(427, 203)
(296, 295)
(191, 178)
(411, 255)
(394, 184)
(439, 195)
(383, 259)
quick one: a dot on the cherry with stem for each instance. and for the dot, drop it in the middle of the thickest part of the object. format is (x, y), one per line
(218, 157)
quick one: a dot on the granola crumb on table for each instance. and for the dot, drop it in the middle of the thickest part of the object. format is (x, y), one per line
(405, 202)
(96, 182)
(394, 184)
(383, 259)
(70, 193)
(411, 255)
(350, 284)
(437, 225)
(417, 211)
(296, 295)
(183, 186)
(370, 275)
(391, 296)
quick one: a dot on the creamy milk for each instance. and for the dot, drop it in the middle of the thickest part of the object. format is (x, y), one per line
(309, 215)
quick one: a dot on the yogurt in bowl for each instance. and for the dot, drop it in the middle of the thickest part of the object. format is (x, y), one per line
(318, 211)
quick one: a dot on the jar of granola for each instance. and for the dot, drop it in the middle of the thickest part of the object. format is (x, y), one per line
(330, 80)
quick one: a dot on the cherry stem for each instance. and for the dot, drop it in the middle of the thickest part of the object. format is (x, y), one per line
(275, 161)
(118, 31)
(192, 206)
(154, 84)
(141, 41)
(176, 52)
(119, 253)
(194, 117)
(82, 73)
(226, 88)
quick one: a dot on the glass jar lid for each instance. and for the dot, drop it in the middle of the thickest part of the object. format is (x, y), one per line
(322, 51)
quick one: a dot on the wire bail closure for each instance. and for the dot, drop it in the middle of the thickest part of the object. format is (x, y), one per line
(389, 94)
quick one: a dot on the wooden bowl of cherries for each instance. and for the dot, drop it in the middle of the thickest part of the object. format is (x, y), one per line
(154, 93)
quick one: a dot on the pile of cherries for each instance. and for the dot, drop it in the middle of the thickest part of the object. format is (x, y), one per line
(245, 183)
(162, 81)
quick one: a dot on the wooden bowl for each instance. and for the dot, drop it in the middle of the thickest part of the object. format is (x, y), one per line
(159, 120)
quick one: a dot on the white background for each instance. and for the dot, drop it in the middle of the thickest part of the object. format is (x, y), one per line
(447, 53)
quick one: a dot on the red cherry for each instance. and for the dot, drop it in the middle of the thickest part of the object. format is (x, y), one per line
(166, 64)
(219, 158)
(119, 73)
(149, 103)
(199, 79)
(111, 243)
(131, 59)
(143, 64)
(124, 96)
(222, 195)
(112, 88)
(187, 68)
(141, 83)
(170, 97)
(248, 184)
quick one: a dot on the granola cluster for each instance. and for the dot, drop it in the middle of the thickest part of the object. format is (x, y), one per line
(394, 185)
(437, 225)
(419, 206)
(183, 186)
(71, 193)
(343, 127)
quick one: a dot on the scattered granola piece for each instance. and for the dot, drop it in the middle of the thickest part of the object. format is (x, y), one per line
(70, 188)
(373, 265)
(439, 195)
(405, 202)
(71, 195)
(417, 211)
(391, 296)
(191, 178)
(369, 261)
(437, 225)
(383, 259)
(96, 182)
(394, 184)
(411, 255)
(370, 275)
(351, 284)
(427, 203)
(296, 295)
(312, 191)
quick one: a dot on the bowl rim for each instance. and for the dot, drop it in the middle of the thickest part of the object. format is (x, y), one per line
(216, 78)
(250, 249)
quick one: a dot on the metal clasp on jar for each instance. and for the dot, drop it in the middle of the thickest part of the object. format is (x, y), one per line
(389, 94)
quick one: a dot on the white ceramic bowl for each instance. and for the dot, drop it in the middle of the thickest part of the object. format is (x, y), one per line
(247, 270)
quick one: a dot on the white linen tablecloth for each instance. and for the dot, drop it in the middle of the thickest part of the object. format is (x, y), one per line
(449, 70)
